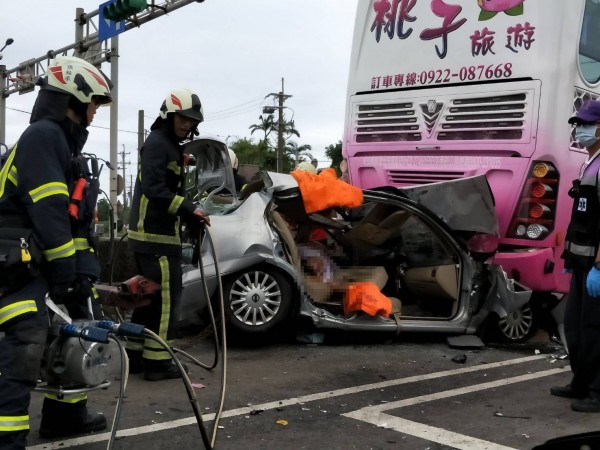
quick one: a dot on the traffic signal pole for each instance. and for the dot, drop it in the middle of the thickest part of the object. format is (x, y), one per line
(23, 78)
(114, 123)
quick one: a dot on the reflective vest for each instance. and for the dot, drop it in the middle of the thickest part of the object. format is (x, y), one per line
(583, 234)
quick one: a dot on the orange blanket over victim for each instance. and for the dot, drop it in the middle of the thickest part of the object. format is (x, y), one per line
(325, 190)
(366, 297)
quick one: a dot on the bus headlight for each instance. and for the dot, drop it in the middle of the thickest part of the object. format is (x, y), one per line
(535, 231)
(521, 230)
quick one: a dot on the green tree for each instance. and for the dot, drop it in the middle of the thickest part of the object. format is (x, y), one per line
(259, 154)
(270, 130)
(298, 152)
(103, 208)
(334, 152)
(289, 130)
(249, 152)
(266, 125)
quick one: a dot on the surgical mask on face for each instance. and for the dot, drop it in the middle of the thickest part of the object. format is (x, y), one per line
(586, 135)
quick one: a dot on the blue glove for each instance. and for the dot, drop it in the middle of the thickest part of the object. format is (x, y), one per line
(593, 282)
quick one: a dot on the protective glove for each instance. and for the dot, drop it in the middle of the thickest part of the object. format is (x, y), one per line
(73, 293)
(59, 293)
(201, 217)
(593, 282)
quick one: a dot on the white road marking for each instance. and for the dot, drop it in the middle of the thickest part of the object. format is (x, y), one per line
(287, 402)
(376, 416)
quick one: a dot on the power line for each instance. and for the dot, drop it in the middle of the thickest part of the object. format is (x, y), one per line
(260, 100)
(91, 126)
(227, 116)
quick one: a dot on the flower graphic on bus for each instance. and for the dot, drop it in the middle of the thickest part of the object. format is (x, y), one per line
(489, 8)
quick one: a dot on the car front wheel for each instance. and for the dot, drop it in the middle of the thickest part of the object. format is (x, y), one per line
(258, 301)
(516, 327)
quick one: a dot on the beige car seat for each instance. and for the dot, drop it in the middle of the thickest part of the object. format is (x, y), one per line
(379, 226)
(318, 290)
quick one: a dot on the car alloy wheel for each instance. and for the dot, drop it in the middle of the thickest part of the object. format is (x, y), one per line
(259, 299)
(517, 326)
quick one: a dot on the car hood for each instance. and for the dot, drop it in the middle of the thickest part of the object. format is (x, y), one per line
(466, 204)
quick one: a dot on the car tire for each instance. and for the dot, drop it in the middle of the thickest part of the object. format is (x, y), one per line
(515, 328)
(258, 302)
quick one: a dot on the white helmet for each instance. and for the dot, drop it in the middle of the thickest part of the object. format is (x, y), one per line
(184, 102)
(79, 78)
(307, 167)
(233, 158)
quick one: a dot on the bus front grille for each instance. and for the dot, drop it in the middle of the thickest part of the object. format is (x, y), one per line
(414, 177)
(459, 117)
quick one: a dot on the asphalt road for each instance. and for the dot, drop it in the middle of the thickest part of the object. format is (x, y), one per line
(385, 394)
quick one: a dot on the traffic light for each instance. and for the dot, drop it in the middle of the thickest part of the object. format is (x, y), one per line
(121, 9)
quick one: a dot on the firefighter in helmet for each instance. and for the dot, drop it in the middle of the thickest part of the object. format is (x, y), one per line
(157, 208)
(37, 183)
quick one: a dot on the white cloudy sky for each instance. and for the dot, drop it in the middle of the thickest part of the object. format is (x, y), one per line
(231, 52)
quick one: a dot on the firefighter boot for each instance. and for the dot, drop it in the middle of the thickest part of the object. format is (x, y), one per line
(135, 361)
(61, 419)
(161, 370)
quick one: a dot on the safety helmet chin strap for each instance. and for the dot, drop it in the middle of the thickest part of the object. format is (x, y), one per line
(80, 110)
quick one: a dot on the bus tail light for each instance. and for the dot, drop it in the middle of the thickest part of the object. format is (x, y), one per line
(536, 209)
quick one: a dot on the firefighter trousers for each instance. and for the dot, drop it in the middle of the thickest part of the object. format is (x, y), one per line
(24, 321)
(159, 315)
(582, 331)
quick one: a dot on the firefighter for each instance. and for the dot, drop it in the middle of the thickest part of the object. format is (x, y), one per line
(157, 208)
(36, 186)
(239, 180)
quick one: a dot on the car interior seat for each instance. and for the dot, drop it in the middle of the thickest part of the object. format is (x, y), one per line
(381, 224)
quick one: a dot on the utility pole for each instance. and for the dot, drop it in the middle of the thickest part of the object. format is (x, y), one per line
(123, 164)
(130, 187)
(280, 124)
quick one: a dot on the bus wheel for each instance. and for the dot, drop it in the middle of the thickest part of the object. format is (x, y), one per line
(516, 327)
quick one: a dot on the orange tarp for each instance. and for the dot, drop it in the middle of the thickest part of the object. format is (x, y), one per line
(325, 190)
(366, 297)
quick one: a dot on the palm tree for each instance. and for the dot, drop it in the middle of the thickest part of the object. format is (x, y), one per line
(266, 125)
(297, 151)
(289, 130)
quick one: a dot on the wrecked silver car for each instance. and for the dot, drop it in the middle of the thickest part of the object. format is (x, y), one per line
(425, 248)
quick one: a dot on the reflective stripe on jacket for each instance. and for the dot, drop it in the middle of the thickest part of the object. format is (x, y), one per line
(34, 182)
(583, 234)
(158, 200)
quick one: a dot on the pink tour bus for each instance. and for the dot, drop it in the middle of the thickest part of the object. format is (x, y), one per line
(443, 89)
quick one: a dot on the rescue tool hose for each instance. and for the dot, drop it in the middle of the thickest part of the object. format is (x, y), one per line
(188, 386)
(215, 332)
(210, 308)
(122, 387)
(223, 335)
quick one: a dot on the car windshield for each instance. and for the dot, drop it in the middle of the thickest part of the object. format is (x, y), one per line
(209, 178)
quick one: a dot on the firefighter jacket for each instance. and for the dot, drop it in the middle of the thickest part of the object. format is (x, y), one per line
(35, 184)
(158, 201)
(583, 234)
